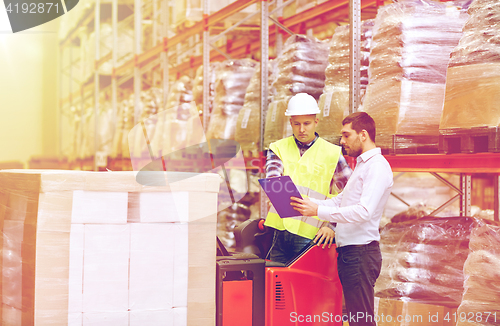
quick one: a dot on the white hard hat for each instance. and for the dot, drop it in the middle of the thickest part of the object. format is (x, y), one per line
(302, 104)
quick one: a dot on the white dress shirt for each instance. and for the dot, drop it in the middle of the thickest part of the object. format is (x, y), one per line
(358, 209)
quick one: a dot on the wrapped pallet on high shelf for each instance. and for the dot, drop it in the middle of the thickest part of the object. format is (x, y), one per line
(300, 69)
(86, 150)
(179, 109)
(124, 123)
(98, 248)
(248, 124)
(481, 294)
(187, 12)
(193, 131)
(471, 108)
(423, 260)
(412, 42)
(180, 93)
(334, 102)
(150, 106)
(233, 78)
(161, 133)
(125, 45)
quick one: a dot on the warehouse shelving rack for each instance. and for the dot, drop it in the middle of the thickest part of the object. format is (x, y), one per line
(161, 54)
(164, 54)
(466, 165)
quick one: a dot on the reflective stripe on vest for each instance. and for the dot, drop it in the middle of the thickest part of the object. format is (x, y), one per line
(312, 173)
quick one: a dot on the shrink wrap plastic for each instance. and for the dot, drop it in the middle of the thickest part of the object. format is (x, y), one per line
(299, 69)
(473, 80)
(482, 278)
(171, 126)
(233, 78)
(82, 247)
(124, 123)
(412, 42)
(198, 92)
(151, 102)
(480, 42)
(423, 260)
(248, 124)
(334, 102)
(124, 49)
(82, 131)
(161, 133)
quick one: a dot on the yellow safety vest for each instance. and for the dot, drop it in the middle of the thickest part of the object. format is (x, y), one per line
(312, 173)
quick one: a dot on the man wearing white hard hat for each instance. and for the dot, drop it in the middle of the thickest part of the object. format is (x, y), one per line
(318, 169)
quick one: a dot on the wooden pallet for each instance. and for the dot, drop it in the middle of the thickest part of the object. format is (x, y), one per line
(410, 144)
(474, 140)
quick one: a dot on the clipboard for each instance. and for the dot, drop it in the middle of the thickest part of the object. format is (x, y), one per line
(279, 190)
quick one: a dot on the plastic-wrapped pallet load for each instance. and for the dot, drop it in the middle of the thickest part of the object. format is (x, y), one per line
(124, 123)
(482, 279)
(334, 102)
(105, 131)
(233, 78)
(248, 124)
(180, 96)
(124, 50)
(473, 80)
(180, 108)
(151, 103)
(195, 134)
(412, 42)
(423, 260)
(97, 248)
(300, 69)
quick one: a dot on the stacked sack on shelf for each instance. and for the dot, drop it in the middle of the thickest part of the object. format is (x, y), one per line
(423, 260)
(124, 50)
(248, 124)
(300, 69)
(334, 102)
(412, 42)
(150, 105)
(82, 130)
(171, 132)
(233, 78)
(128, 135)
(473, 79)
(195, 133)
(124, 123)
(482, 279)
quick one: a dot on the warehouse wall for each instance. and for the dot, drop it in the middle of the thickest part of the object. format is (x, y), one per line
(28, 92)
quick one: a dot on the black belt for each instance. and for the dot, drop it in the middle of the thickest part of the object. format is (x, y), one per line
(365, 246)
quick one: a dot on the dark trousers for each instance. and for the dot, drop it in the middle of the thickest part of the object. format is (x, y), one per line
(286, 246)
(359, 268)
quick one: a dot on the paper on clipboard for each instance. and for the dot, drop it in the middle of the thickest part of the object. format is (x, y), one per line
(279, 190)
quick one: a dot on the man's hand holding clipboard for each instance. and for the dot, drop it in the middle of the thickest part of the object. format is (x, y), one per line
(280, 190)
(285, 197)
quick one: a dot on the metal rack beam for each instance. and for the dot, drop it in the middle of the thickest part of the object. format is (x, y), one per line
(465, 187)
(264, 91)
(197, 28)
(354, 54)
(452, 163)
(496, 194)
(97, 33)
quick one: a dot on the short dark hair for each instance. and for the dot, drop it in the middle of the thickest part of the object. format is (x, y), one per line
(361, 121)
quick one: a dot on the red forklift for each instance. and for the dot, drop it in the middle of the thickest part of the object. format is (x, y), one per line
(253, 291)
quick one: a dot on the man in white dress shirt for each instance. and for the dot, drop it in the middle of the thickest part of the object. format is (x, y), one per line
(357, 211)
